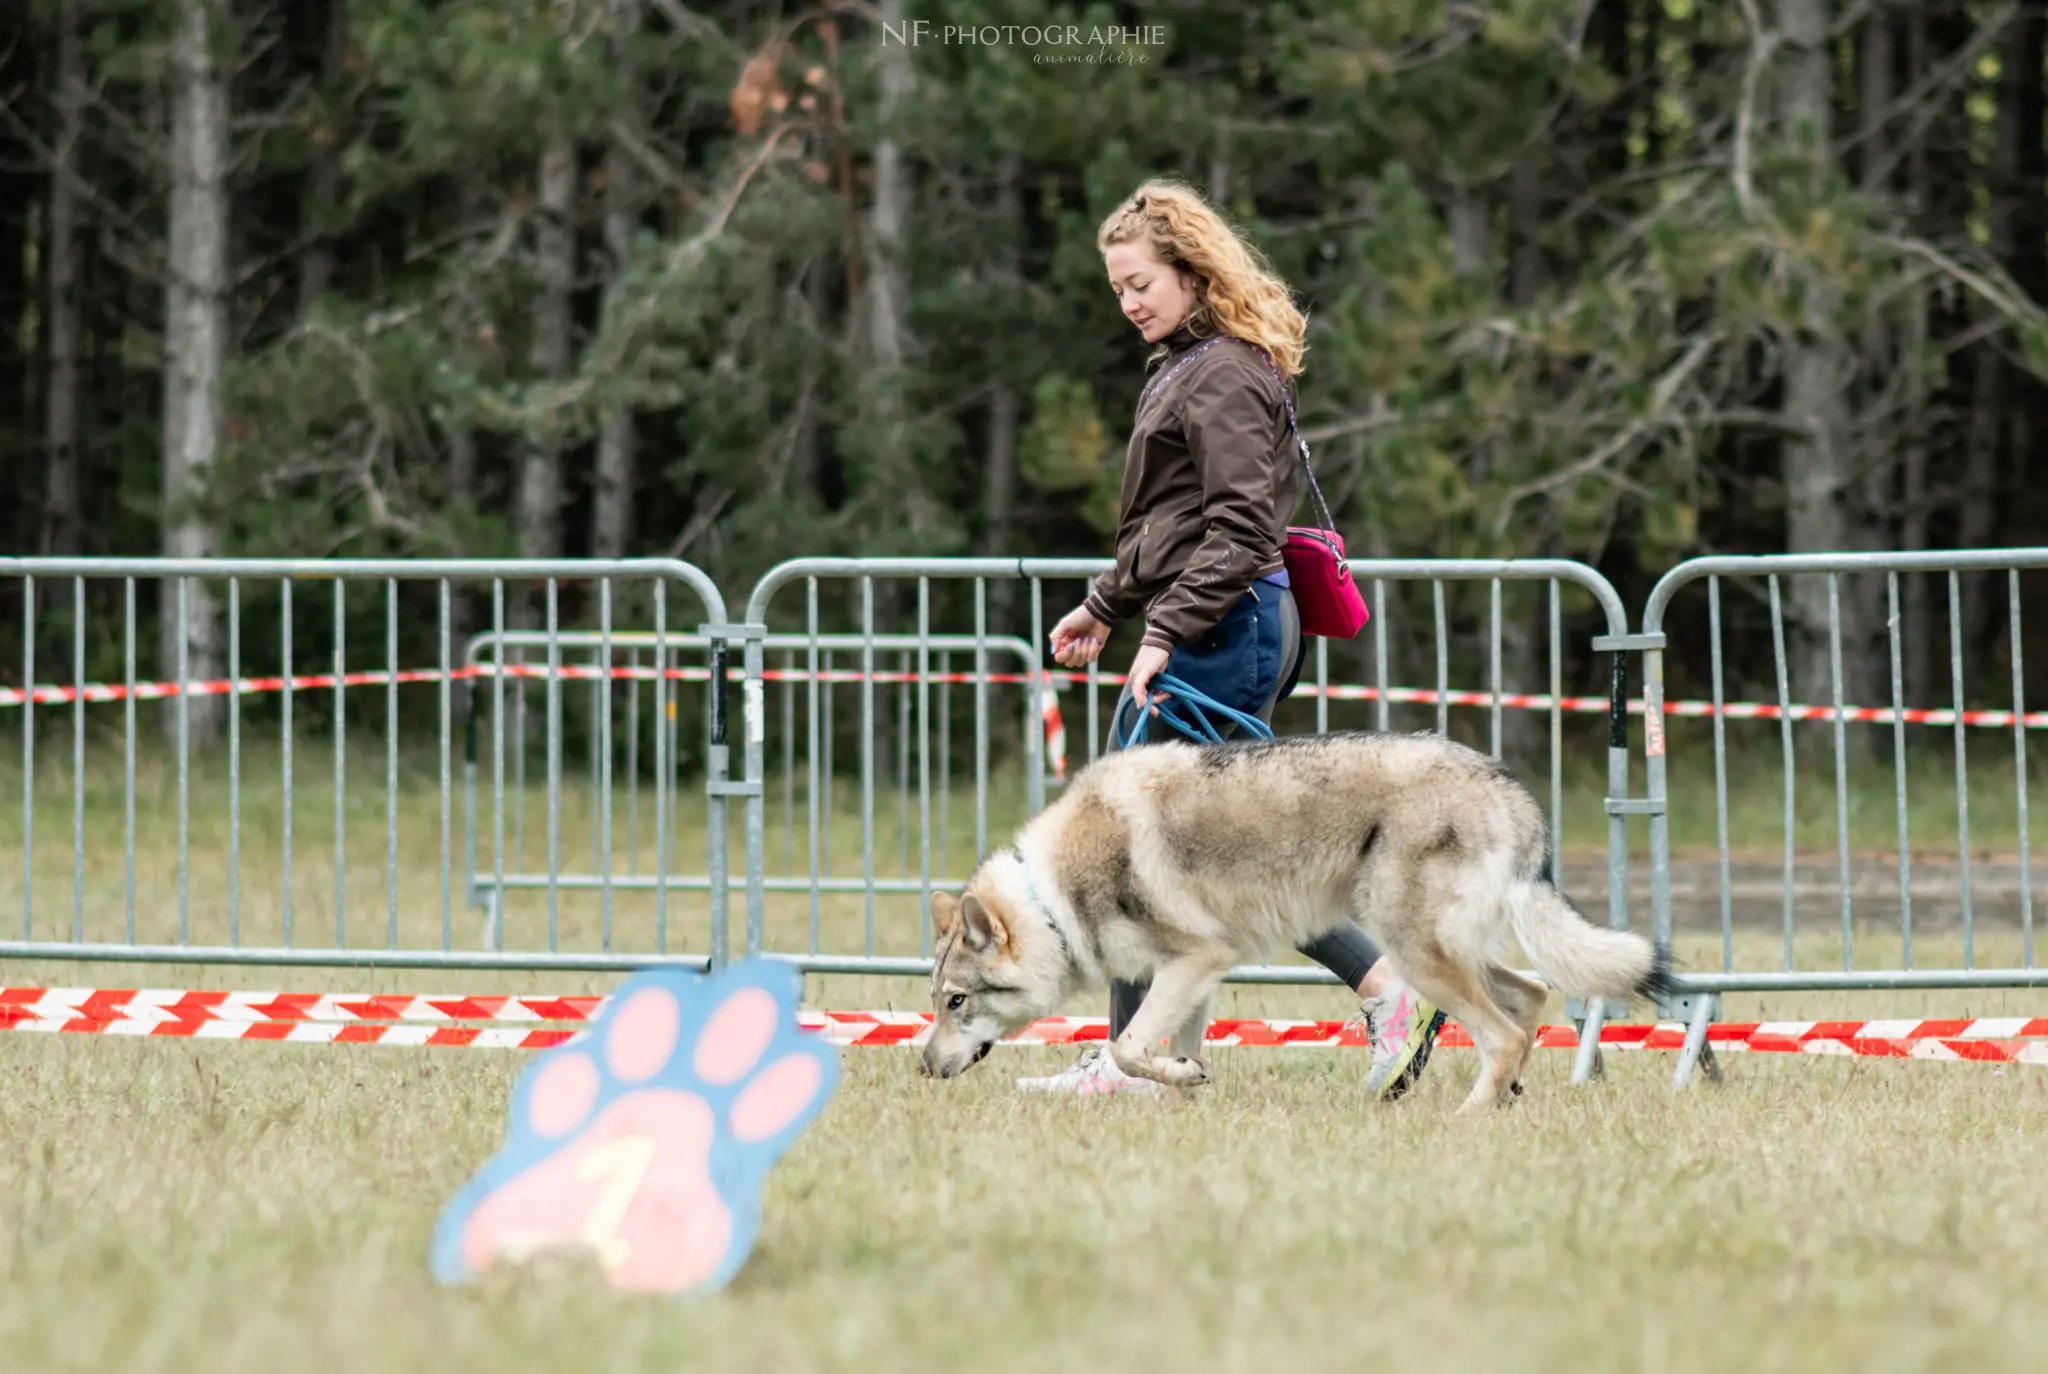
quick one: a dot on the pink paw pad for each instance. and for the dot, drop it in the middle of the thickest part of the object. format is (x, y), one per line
(645, 1144)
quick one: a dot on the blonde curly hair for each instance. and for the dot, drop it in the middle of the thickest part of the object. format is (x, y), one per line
(1235, 290)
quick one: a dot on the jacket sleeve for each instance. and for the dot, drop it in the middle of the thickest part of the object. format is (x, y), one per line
(1110, 599)
(1229, 425)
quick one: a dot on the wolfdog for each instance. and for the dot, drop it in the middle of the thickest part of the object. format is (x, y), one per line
(1178, 861)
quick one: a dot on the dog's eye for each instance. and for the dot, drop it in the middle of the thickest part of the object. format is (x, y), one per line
(956, 1001)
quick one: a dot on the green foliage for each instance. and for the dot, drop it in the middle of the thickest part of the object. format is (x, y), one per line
(1540, 303)
(1066, 445)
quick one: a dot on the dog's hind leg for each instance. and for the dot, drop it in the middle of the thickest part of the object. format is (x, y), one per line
(1178, 989)
(1523, 999)
(1464, 992)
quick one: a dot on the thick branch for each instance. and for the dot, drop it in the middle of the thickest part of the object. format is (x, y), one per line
(1630, 435)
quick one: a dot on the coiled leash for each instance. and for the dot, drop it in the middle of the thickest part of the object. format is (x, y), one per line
(1200, 704)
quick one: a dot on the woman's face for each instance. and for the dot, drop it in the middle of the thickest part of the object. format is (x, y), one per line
(1154, 297)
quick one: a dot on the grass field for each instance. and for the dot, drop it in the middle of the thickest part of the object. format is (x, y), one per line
(250, 1207)
(181, 1206)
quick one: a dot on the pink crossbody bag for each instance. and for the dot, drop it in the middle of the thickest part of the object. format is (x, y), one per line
(1330, 603)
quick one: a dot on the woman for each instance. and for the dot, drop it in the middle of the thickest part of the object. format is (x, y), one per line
(1209, 482)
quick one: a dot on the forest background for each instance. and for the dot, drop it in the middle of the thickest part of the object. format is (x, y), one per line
(1621, 281)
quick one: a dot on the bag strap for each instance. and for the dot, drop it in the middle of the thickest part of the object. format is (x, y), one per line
(1158, 384)
(1287, 399)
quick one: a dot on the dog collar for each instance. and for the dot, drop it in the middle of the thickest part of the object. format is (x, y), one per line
(1031, 894)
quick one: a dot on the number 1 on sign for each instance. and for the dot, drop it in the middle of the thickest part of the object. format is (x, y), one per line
(619, 1166)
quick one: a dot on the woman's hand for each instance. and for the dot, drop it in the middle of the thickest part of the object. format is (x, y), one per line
(1146, 666)
(1078, 639)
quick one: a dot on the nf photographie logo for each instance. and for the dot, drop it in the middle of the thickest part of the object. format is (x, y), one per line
(1050, 43)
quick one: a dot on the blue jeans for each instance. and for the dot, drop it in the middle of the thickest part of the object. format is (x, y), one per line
(1250, 662)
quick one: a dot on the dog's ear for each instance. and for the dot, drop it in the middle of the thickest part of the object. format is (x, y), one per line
(945, 913)
(984, 927)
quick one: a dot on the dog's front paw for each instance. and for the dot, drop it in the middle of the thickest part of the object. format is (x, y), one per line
(1177, 1071)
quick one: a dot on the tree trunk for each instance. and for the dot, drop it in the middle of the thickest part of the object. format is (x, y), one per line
(1607, 39)
(1819, 468)
(1918, 651)
(1977, 514)
(999, 491)
(892, 475)
(2023, 93)
(886, 325)
(2015, 214)
(538, 523)
(1471, 227)
(999, 476)
(63, 523)
(195, 342)
(323, 191)
(463, 596)
(1471, 223)
(1525, 639)
(611, 524)
(806, 464)
(2018, 226)
(22, 67)
(1874, 65)
(1525, 213)
(999, 483)
(1878, 433)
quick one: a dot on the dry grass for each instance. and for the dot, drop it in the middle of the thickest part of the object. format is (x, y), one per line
(251, 1207)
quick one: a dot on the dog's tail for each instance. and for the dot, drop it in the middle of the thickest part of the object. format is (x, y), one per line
(1578, 957)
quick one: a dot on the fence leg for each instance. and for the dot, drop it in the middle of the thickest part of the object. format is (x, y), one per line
(1587, 1063)
(470, 889)
(1696, 1050)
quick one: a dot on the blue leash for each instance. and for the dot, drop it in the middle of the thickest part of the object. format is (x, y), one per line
(1200, 704)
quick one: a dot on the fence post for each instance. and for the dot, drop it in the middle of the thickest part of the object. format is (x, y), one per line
(718, 786)
(1697, 1011)
(754, 707)
(1620, 806)
(714, 793)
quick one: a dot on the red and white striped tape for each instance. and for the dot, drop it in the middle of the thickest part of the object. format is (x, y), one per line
(169, 1004)
(53, 695)
(1999, 1040)
(304, 1033)
(165, 1004)
(1726, 1038)
(314, 1018)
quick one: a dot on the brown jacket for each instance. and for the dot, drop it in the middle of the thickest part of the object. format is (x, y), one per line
(1209, 481)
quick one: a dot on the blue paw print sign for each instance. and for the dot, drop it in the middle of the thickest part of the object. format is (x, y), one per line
(646, 1141)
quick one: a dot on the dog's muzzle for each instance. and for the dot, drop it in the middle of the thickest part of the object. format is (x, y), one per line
(927, 1068)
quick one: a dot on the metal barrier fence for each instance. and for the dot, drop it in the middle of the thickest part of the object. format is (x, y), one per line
(1818, 614)
(599, 662)
(241, 885)
(215, 919)
(772, 928)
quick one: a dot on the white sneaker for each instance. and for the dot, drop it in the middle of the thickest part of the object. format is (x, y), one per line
(1094, 1074)
(1401, 1026)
